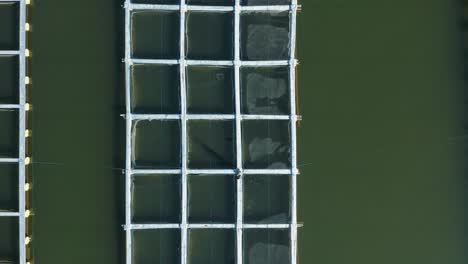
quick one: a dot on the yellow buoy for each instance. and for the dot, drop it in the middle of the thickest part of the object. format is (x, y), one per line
(27, 240)
(27, 187)
(27, 160)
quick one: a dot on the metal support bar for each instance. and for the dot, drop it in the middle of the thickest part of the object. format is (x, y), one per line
(184, 145)
(205, 226)
(128, 138)
(136, 117)
(9, 106)
(215, 172)
(239, 162)
(9, 160)
(9, 214)
(157, 7)
(9, 52)
(214, 62)
(22, 132)
(292, 86)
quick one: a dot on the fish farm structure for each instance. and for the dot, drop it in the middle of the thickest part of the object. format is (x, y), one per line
(13, 159)
(210, 132)
(255, 46)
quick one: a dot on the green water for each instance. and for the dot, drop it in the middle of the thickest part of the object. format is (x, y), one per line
(9, 17)
(380, 146)
(77, 147)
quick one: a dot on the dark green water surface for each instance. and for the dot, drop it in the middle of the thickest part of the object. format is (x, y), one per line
(77, 96)
(382, 138)
(380, 145)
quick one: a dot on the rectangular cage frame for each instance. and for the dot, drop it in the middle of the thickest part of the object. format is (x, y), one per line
(239, 226)
(20, 107)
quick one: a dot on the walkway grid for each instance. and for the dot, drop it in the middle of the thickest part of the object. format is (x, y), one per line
(238, 11)
(19, 107)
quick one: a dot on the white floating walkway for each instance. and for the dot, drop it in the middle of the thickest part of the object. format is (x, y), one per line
(215, 63)
(136, 117)
(21, 108)
(238, 117)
